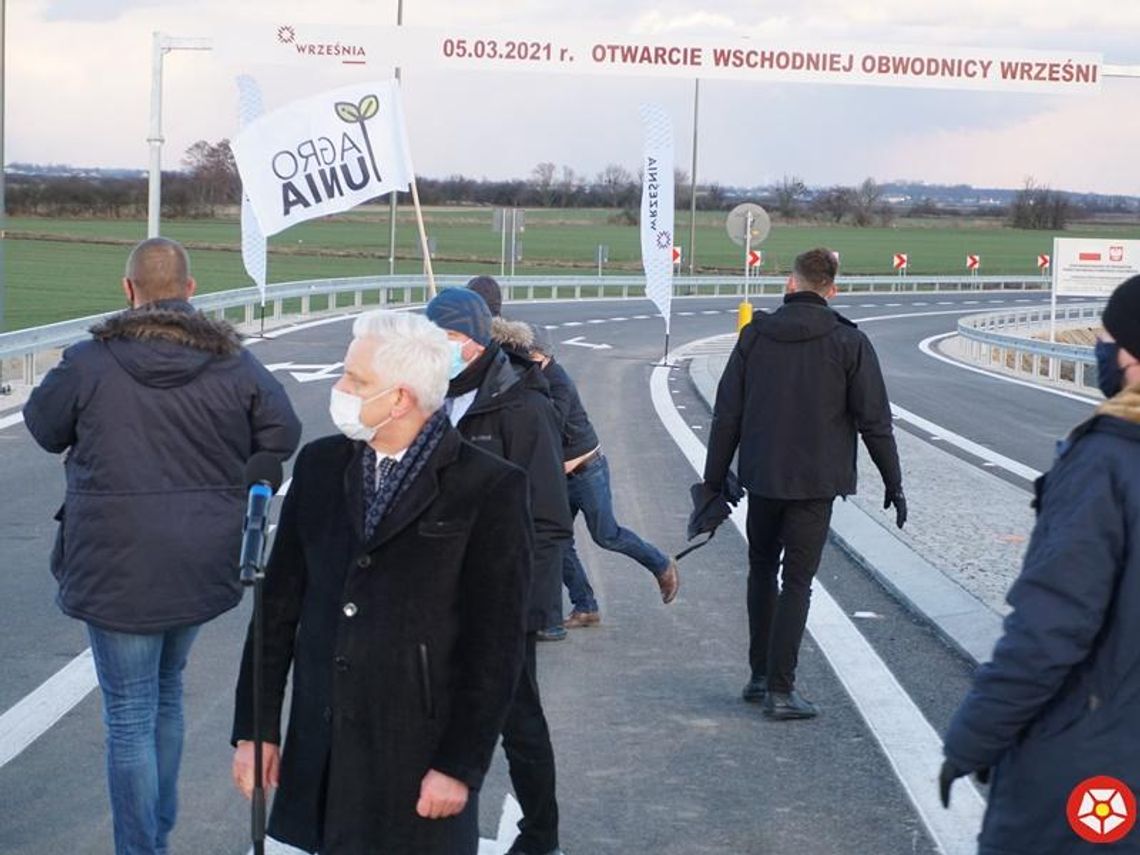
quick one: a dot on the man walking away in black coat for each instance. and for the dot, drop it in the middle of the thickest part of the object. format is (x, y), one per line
(502, 404)
(799, 385)
(160, 409)
(1054, 713)
(396, 590)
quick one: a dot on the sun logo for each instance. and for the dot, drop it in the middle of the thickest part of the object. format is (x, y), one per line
(286, 35)
(1101, 810)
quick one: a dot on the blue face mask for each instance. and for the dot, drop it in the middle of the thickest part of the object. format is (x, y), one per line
(458, 365)
(1109, 374)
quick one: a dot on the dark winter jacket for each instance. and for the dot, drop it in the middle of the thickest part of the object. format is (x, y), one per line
(405, 649)
(1060, 701)
(159, 413)
(578, 434)
(798, 386)
(513, 418)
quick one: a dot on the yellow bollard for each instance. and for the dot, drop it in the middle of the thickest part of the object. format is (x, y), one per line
(743, 315)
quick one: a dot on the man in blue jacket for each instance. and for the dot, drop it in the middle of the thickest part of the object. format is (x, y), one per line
(1054, 714)
(158, 413)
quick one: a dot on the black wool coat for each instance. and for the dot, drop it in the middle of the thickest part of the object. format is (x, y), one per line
(405, 649)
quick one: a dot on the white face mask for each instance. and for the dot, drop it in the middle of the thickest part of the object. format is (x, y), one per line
(345, 411)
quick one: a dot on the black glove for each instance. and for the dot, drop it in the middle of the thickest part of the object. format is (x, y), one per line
(896, 498)
(951, 773)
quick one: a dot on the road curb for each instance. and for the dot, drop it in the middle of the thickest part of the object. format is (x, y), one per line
(954, 613)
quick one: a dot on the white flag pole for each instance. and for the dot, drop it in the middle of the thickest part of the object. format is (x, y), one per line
(416, 195)
(423, 239)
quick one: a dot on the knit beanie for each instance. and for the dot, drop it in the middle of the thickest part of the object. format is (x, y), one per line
(462, 311)
(1121, 316)
(488, 289)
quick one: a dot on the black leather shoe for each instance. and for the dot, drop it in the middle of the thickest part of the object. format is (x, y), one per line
(785, 707)
(755, 689)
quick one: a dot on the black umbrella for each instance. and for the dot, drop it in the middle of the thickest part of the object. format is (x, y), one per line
(710, 509)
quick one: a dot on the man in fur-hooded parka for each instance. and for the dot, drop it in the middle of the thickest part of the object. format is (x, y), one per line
(158, 413)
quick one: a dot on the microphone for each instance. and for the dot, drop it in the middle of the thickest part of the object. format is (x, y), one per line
(263, 476)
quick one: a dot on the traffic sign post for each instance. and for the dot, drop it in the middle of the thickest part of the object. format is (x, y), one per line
(603, 257)
(901, 262)
(973, 262)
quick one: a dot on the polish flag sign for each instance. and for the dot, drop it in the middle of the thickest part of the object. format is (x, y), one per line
(755, 258)
(901, 261)
(1043, 261)
(973, 262)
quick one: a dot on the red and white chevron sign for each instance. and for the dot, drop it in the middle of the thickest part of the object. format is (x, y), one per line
(973, 262)
(755, 258)
(676, 255)
(901, 261)
(1043, 262)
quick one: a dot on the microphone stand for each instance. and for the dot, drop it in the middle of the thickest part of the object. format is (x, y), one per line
(253, 575)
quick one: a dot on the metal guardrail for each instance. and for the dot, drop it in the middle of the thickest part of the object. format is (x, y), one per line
(314, 296)
(1005, 340)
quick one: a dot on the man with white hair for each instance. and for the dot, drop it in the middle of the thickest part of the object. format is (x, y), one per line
(396, 590)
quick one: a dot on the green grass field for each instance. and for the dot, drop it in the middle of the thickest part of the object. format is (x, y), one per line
(76, 270)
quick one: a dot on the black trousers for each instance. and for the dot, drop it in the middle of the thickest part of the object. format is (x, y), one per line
(777, 613)
(530, 759)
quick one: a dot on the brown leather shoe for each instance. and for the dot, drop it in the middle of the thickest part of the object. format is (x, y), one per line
(669, 582)
(578, 620)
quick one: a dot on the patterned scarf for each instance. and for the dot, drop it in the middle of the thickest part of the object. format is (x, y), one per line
(379, 498)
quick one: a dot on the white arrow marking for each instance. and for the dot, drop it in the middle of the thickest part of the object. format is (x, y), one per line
(578, 341)
(325, 372)
(508, 829)
(281, 366)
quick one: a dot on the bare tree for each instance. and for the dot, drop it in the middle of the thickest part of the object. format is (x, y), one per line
(615, 180)
(213, 173)
(568, 184)
(787, 193)
(1037, 207)
(865, 202)
(835, 203)
(542, 177)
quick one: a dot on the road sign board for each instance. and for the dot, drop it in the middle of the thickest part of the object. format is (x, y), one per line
(973, 262)
(755, 258)
(739, 219)
(1043, 261)
(901, 261)
(677, 252)
(1093, 267)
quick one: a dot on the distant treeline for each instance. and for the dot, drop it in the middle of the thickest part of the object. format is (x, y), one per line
(209, 184)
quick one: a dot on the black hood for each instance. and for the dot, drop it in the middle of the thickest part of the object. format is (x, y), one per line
(166, 343)
(803, 317)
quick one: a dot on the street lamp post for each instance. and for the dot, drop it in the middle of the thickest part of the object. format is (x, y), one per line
(392, 204)
(161, 45)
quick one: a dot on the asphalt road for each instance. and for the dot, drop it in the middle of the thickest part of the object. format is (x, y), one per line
(656, 751)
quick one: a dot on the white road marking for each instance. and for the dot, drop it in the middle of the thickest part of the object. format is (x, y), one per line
(641, 317)
(35, 713)
(712, 311)
(571, 323)
(578, 341)
(969, 446)
(504, 837)
(911, 745)
(551, 326)
(14, 419)
(617, 320)
(686, 314)
(927, 347)
(596, 321)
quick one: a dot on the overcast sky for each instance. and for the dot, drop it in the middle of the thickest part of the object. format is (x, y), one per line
(78, 90)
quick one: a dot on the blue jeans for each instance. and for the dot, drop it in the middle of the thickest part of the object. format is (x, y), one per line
(589, 492)
(141, 680)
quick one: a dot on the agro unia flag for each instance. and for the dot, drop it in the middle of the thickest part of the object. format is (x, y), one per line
(657, 208)
(324, 154)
